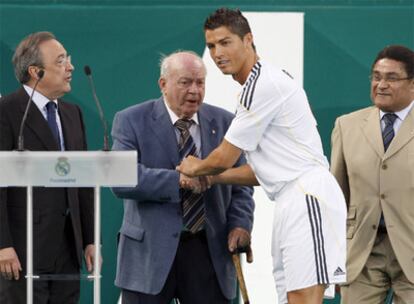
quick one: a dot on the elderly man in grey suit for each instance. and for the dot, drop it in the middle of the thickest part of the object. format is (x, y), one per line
(175, 241)
(373, 161)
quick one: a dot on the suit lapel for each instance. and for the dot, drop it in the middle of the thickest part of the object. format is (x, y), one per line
(372, 131)
(37, 123)
(67, 125)
(404, 135)
(163, 129)
(209, 141)
(208, 127)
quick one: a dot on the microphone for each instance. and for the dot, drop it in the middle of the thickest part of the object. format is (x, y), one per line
(88, 73)
(20, 139)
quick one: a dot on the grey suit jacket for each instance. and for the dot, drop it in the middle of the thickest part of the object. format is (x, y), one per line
(152, 220)
(373, 181)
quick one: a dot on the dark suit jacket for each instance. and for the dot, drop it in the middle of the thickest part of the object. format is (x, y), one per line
(49, 204)
(152, 222)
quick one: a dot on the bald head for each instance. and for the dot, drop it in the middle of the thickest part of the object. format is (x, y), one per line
(182, 82)
(178, 60)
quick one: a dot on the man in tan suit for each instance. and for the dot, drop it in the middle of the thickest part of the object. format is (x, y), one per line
(373, 161)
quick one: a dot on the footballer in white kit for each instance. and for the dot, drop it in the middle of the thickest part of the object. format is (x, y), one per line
(275, 127)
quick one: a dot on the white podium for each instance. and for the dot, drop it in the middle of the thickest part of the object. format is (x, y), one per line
(67, 169)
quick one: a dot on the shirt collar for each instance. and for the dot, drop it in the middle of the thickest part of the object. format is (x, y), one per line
(174, 116)
(400, 114)
(39, 99)
(253, 72)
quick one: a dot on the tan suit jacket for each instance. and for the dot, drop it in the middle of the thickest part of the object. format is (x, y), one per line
(373, 181)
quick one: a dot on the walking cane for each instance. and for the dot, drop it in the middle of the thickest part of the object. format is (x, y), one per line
(240, 277)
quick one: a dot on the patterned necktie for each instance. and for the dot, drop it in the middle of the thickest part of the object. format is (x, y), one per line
(51, 120)
(388, 132)
(192, 204)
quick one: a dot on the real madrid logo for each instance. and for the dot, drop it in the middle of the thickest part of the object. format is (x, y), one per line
(62, 167)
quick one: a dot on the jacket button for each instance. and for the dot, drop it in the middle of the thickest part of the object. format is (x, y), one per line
(175, 235)
(374, 227)
(382, 196)
(384, 166)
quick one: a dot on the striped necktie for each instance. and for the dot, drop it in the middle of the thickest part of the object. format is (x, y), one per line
(51, 120)
(192, 204)
(388, 132)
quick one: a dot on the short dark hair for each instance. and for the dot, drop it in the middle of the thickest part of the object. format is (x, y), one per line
(398, 53)
(232, 19)
(28, 54)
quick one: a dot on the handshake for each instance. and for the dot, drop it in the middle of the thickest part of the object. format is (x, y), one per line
(197, 184)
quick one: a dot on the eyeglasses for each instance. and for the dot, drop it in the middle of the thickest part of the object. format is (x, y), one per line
(63, 60)
(387, 78)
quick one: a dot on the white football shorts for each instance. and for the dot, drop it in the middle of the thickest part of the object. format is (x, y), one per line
(309, 233)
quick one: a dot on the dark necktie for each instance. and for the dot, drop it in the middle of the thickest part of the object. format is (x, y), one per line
(388, 132)
(192, 204)
(387, 136)
(51, 120)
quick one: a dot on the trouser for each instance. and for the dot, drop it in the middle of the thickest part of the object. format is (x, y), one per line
(380, 273)
(191, 280)
(47, 291)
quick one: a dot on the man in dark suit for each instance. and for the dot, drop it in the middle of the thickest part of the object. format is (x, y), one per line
(175, 243)
(62, 217)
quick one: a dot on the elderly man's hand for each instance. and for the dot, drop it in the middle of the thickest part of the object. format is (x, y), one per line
(196, 184)
(240, 238)
(9, 264)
